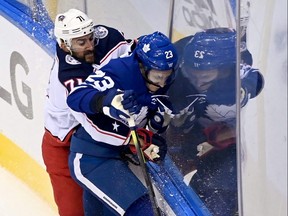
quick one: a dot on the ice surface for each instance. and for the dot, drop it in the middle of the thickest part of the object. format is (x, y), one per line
(20, 199)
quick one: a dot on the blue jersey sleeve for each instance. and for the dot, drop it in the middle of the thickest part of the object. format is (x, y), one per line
(88, 96)
(121, 73)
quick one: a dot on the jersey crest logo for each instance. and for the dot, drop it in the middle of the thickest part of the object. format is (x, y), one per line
(72, 61)
(101, 32)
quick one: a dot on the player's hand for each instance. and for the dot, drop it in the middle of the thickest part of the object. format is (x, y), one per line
(153, 146)
(120, 105)
(185, 117)
(150, 100)
(162, 117)
(130, 103)
(220, 135)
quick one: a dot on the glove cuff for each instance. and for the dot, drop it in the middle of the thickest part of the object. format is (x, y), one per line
(156, 128)
(220, 135)
(96, 103)
(152, 151)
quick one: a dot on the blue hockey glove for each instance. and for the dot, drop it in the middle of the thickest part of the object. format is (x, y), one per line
(153, 146)
(161, 119)
(252, 83)
(130, 103)
(120, 105)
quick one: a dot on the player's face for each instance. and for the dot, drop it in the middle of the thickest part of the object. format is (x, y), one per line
(202, 80)
(83, 48)
(157, 79)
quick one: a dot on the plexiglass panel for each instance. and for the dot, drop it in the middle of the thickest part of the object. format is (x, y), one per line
(264, 120)
(202, 135)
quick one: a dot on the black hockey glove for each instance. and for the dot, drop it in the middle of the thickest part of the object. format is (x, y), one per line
(153, 146)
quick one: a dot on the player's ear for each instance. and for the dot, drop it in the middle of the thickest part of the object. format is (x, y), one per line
(64, 47)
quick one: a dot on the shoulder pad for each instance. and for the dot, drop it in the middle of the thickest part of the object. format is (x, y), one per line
(100, 32)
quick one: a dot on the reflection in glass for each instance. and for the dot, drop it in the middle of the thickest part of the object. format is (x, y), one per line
(202, 134)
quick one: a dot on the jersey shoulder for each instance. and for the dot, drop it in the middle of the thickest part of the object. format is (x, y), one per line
(107, 38)
(102, 31)
(121, 70)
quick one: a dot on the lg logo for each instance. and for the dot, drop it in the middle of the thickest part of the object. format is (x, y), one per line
(25, 107)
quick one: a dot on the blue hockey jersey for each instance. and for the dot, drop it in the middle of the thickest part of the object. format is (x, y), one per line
(122, 73)
(218, 103)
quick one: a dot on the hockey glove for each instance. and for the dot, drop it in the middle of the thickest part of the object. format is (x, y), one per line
(252, 83)
(220, 135)
(153, 146)
(185, 118)
(162, 117)
(120, 105)
(150, 100)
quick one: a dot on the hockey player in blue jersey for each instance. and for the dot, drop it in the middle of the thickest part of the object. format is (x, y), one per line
(81, 47)
(202, 133)
(127, 87)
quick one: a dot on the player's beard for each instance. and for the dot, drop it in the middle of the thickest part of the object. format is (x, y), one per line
(89, 57)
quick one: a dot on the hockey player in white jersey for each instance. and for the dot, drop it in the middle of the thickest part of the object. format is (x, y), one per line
(81, 47)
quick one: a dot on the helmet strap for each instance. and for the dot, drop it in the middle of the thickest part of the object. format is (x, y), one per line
(65, 47)
(68, 45)
(70, 51)
(144, 71)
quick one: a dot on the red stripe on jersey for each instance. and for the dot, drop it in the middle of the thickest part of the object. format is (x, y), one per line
(112, 50)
